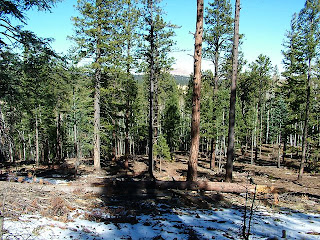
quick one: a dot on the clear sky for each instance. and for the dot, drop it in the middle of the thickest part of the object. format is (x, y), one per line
(263, 22)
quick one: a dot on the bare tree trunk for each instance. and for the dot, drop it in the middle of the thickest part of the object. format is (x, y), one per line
(305, 124)
(284, 151)
(96, 141)
(256, 139)
(267, 134)
(279, 151)
(252, 147)
(75, 137)
(220, 156)
(223, 136)
(195, 122)
(96, 132)
(156, 116)
(58, 140)
(260, 134)
(31, 155)
(127, 116)
(127, 140)
(213, 154)
(215, 91)
(151, 96)
(24, 146)
(37, 141)
(114, 141)
(295, 135)
(230, 152)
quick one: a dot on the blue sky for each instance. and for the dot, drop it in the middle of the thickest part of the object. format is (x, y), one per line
(263, 22)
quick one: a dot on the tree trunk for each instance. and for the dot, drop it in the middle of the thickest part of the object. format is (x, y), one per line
(279, 151)
(114, 141)
(230, 152)
(127, 140)
(24, 146)
(96, 132)
(75, 137)
(260, 134)
(151, 97)
(37, 141)
(220, 156)
(128, 111)
(305, 124)
(11, 151)
(58, 140)
(295, 135)
(96, 149)
(195, 121)
(252, 147)
(109, 188)
(256, 139)
(215, 91)
(155, 116)
(284, 151)
(267, 134)
(213, 154)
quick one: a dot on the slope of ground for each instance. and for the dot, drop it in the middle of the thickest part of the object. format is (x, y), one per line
(57, 203)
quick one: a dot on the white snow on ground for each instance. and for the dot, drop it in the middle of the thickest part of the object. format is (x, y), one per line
(173, 224)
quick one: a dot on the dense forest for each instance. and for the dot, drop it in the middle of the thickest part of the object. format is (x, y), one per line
(113, 96)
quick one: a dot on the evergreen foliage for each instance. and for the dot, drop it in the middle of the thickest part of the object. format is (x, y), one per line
(48, 103)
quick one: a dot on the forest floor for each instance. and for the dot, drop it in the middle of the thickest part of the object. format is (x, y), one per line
(54, 203)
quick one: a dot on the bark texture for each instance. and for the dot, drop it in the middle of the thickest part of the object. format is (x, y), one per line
(230, 151)
(305, 124)
(195, 122)
(151, 96)
(96, 140)
(133, 187)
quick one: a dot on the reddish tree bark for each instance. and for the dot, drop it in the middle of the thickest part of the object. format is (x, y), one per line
(195, 122)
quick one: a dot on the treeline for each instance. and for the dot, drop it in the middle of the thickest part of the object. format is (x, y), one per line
(55, 107)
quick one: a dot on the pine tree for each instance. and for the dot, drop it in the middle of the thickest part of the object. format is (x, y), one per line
(231, 137)
(130, 17)
(10, 10)
(170, 116)
(308, 23)
(96, 37)
(158, 44)
(300, 54)
(217, 36)
(195, 122)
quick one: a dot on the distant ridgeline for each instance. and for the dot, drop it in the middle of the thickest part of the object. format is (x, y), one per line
(180, 80)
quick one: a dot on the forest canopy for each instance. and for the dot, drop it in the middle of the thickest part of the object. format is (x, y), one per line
(53, 108)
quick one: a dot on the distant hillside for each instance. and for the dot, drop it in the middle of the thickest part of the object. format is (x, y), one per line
(181, 80)
(138, 78)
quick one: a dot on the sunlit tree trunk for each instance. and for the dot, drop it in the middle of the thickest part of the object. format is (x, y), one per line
(195, 122)
(24, 146)
(96, 132)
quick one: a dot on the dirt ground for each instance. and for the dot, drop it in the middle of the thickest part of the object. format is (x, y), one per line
(36, 196)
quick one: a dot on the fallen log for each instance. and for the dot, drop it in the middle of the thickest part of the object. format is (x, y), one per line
(183, 185)
(135, 186)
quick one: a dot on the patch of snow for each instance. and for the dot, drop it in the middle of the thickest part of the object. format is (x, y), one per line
(174, 223)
